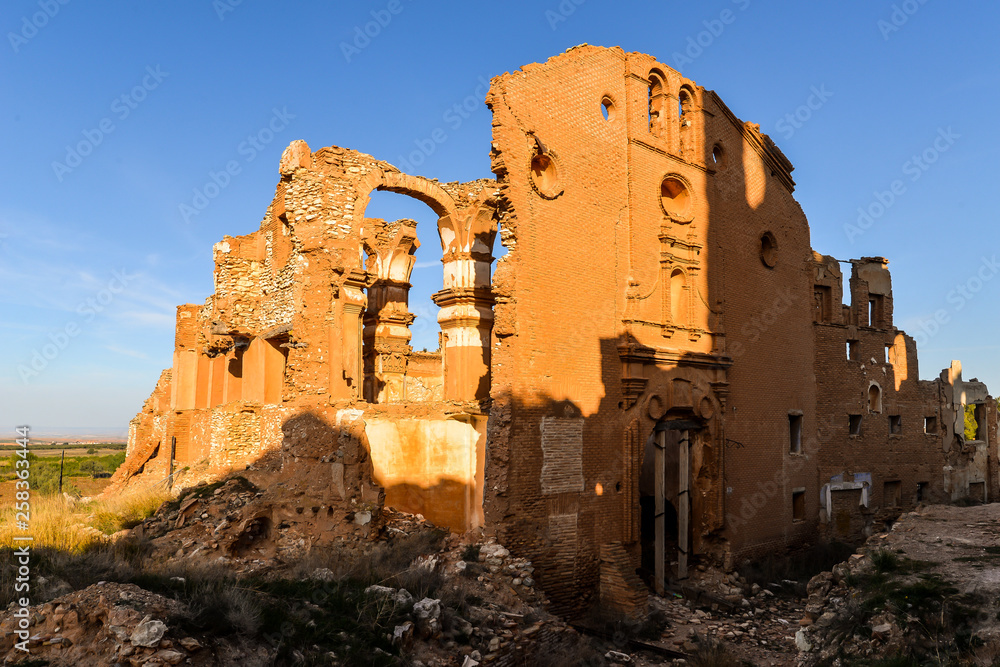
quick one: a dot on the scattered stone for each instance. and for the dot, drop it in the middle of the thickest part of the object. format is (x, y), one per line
(148, 633)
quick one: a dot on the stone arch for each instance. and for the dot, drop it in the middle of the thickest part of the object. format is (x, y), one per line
(417, 187)
(657, 112)
(688, 118)
(466, 316)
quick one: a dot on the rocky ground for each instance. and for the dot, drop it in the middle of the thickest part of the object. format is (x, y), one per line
(926, 592)
(206, 581)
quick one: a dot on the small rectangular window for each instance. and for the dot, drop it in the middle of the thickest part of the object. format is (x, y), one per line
(921, 491)
(895, 424)
(980, 414)
(890, 494)
(854, 350)
(798, 505)
(795, 434)
(875, 319)
(888, 353)
(854, 423)
(930, 425)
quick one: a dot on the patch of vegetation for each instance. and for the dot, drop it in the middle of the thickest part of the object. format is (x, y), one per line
(885, 561)
(65, 524)
(45, 469)
(936, 618)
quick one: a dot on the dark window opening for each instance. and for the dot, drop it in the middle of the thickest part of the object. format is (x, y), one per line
(930, 425)
(980, 414)
(895, 424)
(875, 314)
(921, 491)
(854, 422)
(798, 505)
(795, 434)
(854, 350)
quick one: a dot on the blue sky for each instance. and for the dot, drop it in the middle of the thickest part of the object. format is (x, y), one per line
(116, 115)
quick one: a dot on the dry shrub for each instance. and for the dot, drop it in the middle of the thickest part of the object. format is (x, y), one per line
(62, 523)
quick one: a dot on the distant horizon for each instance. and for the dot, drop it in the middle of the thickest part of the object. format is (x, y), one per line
(68, 432)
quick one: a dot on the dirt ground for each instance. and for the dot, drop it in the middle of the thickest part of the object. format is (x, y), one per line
(962, 542)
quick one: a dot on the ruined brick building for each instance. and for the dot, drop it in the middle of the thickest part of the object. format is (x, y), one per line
(660, 369)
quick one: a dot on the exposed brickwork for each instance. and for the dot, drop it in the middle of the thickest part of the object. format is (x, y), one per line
(659, 301)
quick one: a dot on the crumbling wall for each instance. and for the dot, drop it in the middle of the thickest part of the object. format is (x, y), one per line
(309, 310)
(659, 281)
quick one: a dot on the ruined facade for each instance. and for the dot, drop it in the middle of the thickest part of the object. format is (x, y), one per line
(660, 369)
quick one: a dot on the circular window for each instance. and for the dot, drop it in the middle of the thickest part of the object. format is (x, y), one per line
(545, 176)
(608, 109)
(675, 198)
(768, 250)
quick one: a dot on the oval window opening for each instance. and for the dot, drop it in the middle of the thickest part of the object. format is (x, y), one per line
(768, 250)
(608, 109)
(674, 196)
(719, 157)
(545, 175)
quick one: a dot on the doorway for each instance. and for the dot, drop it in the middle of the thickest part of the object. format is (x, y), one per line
(665, 508)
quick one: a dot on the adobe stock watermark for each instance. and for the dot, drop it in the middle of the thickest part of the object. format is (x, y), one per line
(30, 25)
(223, 7)
(767, 490)
(760, 323)
(914, 168)
(453, 118)
(249, 149)
(22, 554)
(59, 340)
(697, 44)
(958, 297)
(802, 115)
(899, 17)
(364, 34)
(562, 12)
(122, 107)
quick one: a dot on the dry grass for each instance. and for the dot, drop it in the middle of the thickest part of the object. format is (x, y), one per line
(69, 525)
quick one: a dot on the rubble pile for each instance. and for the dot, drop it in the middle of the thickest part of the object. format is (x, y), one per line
(926, 590)
(119, 624)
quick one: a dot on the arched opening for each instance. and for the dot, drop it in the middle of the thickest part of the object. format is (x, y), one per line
(685, 106)
(678, 293)
(657, 103)
(608, 109)
(874, 398)
(401, 340)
